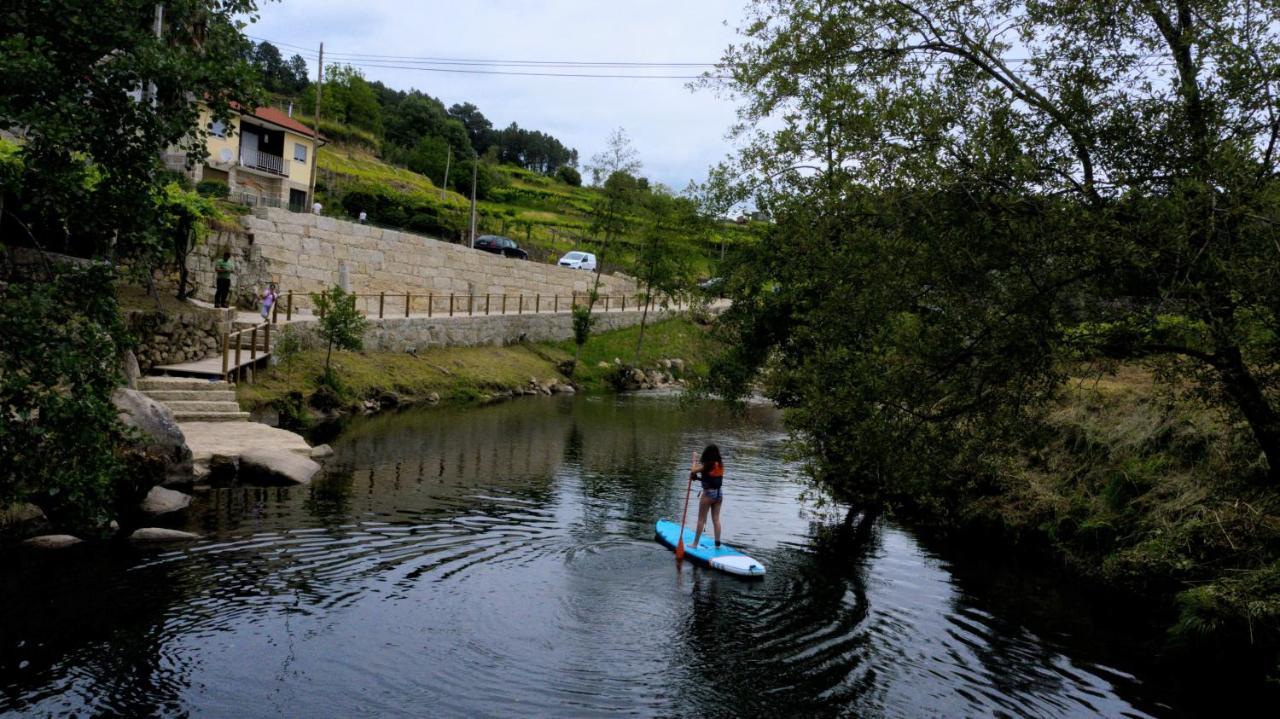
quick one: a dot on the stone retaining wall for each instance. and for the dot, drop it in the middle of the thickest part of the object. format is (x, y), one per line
(309, 253)
(170, 338)
(414, 333)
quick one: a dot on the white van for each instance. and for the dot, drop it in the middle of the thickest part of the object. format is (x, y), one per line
(579, 261)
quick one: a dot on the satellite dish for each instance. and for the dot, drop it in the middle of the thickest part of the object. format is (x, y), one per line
(225, 155)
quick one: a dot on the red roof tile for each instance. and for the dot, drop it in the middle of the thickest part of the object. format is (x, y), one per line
(276, 117)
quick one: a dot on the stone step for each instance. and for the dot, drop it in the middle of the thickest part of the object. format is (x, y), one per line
(192, 406)
(213, 394)
(211, 416)
(147, 384)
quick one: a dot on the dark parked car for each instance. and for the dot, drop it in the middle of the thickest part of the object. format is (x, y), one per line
(499, 245)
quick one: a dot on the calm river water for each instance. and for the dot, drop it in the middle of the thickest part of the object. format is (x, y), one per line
(500, 561)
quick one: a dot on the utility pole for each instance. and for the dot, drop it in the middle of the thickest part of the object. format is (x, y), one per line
(475, 167)
(315, 154)
(444, 186)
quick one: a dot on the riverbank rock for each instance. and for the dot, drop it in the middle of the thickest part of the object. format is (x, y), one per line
(160, 534)
(129, 368)
(562, 388)
(162, 439)
(276, 467)
(164, 501)
(321, 451)
(51, 541)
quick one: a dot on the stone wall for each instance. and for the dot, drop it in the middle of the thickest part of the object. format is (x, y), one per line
(170, 338)
(252, 271)
(415, 333)
(308, 253)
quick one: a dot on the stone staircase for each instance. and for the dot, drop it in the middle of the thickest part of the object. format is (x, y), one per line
(195, 399)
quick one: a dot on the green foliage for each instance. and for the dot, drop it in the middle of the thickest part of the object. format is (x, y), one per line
(942, 223)
(569, 176)
(582, 322)
(213, 188)
(87, 187)
(279, 75)
(58, 367)
(346, 98)
(341, 325)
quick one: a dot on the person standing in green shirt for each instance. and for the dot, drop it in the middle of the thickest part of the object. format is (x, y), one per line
(222, 269)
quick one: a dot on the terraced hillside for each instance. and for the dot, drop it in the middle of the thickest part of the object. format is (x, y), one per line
(546, 216)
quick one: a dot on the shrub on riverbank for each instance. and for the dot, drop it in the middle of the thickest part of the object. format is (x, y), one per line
(1158, 496)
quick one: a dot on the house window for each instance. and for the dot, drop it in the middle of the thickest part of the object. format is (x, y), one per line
(218, 128)
(299, 152)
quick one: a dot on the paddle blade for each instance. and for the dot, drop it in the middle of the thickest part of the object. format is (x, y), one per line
(680, 548)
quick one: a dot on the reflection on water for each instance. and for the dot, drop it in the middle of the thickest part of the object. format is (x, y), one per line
(500, 561)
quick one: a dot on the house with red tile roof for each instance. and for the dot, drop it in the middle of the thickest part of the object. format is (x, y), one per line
(264, 155)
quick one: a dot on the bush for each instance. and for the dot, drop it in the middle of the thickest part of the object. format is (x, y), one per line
(212, 188)
(569, 176)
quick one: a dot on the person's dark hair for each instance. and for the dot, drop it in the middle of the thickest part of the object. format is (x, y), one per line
(711, 455)
(226, 255)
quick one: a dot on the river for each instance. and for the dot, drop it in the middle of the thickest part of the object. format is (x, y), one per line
(500, 561)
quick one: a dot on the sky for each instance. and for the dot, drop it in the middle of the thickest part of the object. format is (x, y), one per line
(677, 132)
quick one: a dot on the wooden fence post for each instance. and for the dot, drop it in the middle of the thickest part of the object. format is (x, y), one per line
(537, 303)
(408, 302)
(239, 372)
(253, 351)
(606, 303)
(382, 302)
(226, 354)
(450, 304)
(520, 311)
(431, 301)
(504, 303)
(288, 314)
(486, 303)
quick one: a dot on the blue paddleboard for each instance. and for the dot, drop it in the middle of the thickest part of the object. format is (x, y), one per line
(726, 558)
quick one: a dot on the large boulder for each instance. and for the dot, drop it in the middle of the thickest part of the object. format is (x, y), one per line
(276, 467)
(161, 437)
(164, 501)
(129, 368)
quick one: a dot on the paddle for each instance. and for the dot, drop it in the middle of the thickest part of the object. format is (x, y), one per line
(685, 513)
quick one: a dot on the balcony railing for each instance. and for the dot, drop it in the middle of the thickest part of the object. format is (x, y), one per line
(274, 164)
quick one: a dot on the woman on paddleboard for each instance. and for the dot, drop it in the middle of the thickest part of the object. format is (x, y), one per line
(709, 471)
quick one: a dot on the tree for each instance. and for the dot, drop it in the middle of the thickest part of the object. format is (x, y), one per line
(618, 164)
(479, 129)
(341, 324)
(659, 266)
(569, 176)
(95, 99)
(996, 189)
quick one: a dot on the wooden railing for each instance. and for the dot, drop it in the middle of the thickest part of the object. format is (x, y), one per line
(228, 352)
(397, 304)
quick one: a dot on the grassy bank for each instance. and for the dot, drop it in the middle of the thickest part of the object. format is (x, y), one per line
(468, 374)
(1160, 497)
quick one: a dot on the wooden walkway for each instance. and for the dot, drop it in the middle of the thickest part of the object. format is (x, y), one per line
(209, 366)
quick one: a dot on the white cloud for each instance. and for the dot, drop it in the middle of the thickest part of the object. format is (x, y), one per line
(678, 132)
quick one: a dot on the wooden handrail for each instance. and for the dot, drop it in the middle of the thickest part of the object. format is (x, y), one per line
(237, 337)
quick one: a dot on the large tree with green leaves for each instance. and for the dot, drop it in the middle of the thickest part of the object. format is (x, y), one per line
(95, 98)
(968, 195)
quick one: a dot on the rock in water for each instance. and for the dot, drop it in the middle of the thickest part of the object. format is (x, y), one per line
(321, 451)
(161, 437)
(164, 501)
(51, 541)
(159, 534)
(276, 466)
